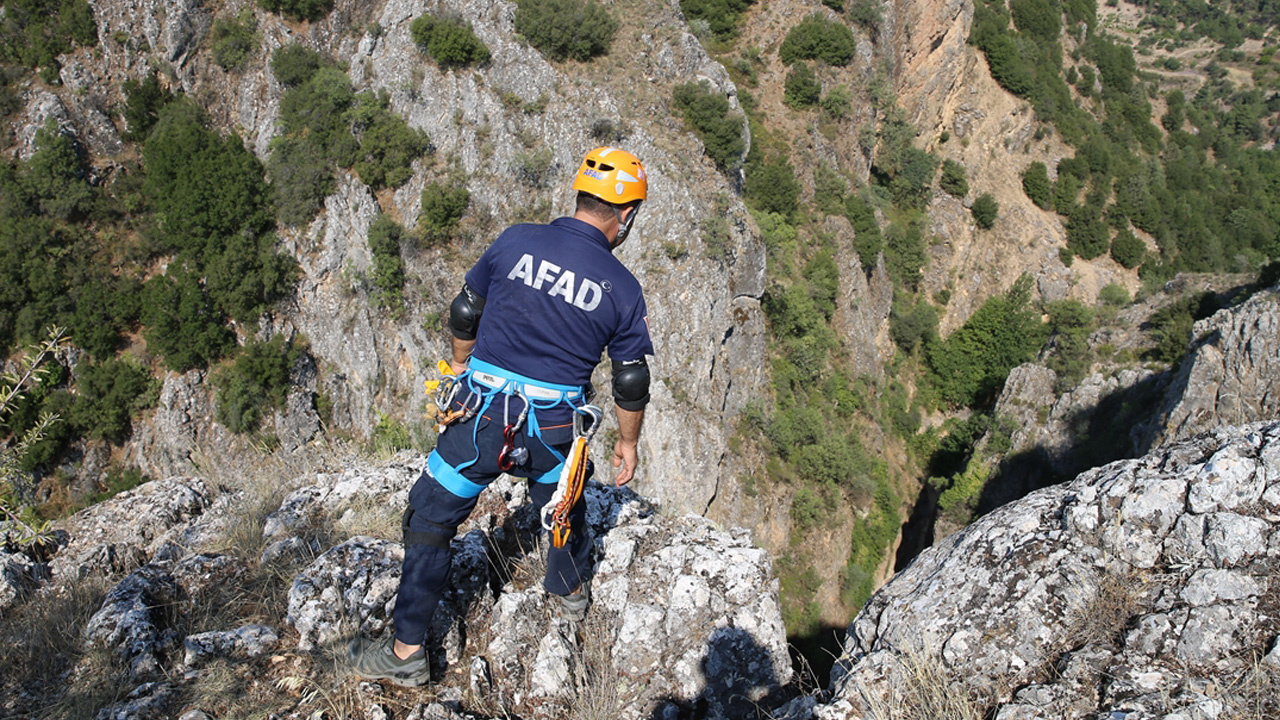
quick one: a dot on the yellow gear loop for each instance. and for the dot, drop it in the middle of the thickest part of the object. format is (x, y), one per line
(573, 478)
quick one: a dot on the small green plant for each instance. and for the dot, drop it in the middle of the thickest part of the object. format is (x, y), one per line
(533, 167)
(388, 267)
(954, 180)
(295, 64)
(720, 16)
(234, 41)
(298, 9)
(1036, 184)
(801, 89)
(443, 205)
(985, 209)
(566, 29)
(450, 42)
(838, 103)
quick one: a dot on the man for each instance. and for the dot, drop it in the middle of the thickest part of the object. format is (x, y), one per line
(529, 325)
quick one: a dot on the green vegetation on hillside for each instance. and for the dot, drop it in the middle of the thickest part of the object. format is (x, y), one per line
(449, 41)
(326, 126)
(566, 29)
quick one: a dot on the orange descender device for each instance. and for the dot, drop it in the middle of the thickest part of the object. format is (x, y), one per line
(573, 477)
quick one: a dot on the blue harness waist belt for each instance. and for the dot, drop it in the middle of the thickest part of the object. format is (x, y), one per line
(488, 381)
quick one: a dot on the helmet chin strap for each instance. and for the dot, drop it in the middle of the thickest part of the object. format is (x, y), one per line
(624, 228)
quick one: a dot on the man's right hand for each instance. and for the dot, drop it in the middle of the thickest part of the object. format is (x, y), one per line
(625, 459)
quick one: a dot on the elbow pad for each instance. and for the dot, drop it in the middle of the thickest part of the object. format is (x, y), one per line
(631, 384)
(464, 314)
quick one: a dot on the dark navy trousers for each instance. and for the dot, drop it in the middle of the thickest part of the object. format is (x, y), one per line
(425, 571)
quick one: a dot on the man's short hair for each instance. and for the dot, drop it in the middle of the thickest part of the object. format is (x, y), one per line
(594, 206)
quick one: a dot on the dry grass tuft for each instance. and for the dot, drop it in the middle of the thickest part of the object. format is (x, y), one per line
(1118, 599)
(923, 689)
(595, 679)
(1255, 696)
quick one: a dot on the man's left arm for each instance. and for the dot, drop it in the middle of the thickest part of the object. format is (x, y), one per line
(630, 395)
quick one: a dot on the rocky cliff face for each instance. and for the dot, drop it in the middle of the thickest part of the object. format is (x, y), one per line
(704, 309)
(1134, 590)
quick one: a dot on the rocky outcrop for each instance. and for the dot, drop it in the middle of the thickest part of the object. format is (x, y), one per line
(1231, 376)
(1132, 589)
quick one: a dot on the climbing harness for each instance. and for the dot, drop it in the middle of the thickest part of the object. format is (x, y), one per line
(573, 476)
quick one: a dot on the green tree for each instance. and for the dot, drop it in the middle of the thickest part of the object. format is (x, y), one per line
(1036, 184)
(443, 205)
(449, 41)
(817, 38)
(566, 29)
(182, 324)
(295, 65)
(801, 89)
(1127, 249)
(772, 187)
(985, 209)
(708, 113)
(388, 266)
(954, 180)
(143, 102)
(35, 32)
(970, 366)
(1087, 236)
(257, 382)
(721, 16)
(54, 177)
(234, 41)
(867, 240)
(388, 146)
(108, 395)
(1070, 322)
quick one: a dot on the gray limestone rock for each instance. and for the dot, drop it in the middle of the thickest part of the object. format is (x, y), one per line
(245, 641)
(133, 621)
(1132, 581)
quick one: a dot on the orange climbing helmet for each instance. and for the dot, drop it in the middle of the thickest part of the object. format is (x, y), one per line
(615, 176)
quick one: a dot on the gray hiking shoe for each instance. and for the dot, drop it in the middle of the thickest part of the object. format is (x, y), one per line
(376, 660)
(573, 607)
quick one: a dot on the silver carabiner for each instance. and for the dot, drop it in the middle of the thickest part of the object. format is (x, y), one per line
(580, 416)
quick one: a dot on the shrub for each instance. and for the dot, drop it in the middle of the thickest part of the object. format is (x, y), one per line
(838, 102)
(1035, 183)
(36, 32)
(533, 167)
(970, 366)
(388, 266)
(1114, 295)
(295, 65)
(829, 189)
(719, 130)
(721, 16)
(143, 102)
(905, 253)
(985, 209)
(801, 89)
(388, 146)
(954, 180)
(54, 179)
(1127, 249)
(255, 383)
(301, 177)
(912, 324)
(566, 29)
(865, 14)
(1087, 235)
(298, 9)
(442, 207)
(183, 326)
(450, 42)
(108, 394)
(772, 187)
(867, 240)
(234, 41)
(817, 38)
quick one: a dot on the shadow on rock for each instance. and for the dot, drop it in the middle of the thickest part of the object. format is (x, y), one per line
(740, 682)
